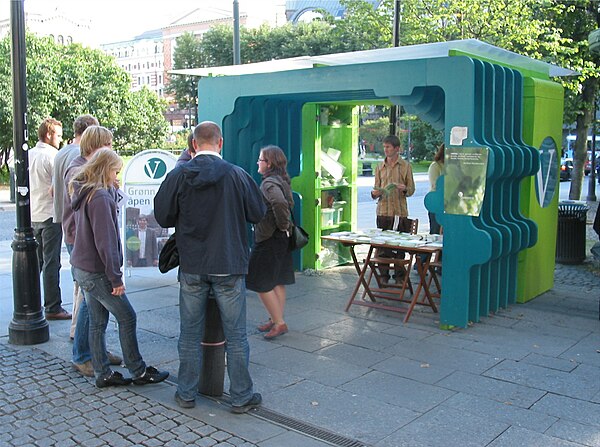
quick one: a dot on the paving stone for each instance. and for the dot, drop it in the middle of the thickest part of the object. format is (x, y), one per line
(501, 391)
(444, 356)
(573, 384)
(439, 427)
(412, 369)
(500, 412)
(310, 366)
(519, 436)
(356, 355)
(588, 435)
(568, 408)
(338, 411)
(550, 362)
(398, 391)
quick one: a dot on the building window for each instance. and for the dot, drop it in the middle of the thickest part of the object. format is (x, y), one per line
(69, 40)
(61, 39)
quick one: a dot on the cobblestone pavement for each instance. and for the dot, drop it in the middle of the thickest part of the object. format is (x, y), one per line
(44, 403)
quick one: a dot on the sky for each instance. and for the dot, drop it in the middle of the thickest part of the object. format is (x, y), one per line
(123, 19)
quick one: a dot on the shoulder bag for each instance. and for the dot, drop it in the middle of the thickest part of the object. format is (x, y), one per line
(168, 257)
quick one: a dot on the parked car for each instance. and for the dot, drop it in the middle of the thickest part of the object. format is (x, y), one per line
(566, 168)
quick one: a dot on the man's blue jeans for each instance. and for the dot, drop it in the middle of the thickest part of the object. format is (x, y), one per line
(230, 293)
(49, 238)
(81, 339)
(100, 302)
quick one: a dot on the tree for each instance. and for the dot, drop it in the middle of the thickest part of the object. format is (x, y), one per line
(188, 54)
(576, 20)
(67, 81)
(140, 126)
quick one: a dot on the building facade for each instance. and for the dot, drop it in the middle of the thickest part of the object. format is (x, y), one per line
(61, 27)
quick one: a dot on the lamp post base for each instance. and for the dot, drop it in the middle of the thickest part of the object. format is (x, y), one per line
(29, 332)
(28, 326)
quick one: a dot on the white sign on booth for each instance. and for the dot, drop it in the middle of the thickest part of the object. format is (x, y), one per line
(141, 235)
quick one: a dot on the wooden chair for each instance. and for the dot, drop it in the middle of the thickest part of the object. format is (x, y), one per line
(435, 271)
(379, 264)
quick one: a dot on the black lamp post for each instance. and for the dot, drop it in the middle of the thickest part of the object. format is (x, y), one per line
(594, 47)
(591, 196)
(394, 108)
(28, 326)
(236, 33)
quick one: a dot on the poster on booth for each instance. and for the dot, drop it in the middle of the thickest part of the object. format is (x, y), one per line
(141, 235)
(465, 171)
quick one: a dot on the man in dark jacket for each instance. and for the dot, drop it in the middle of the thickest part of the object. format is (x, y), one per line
(209, 202)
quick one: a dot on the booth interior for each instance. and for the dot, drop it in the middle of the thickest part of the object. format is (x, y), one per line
(501, 114)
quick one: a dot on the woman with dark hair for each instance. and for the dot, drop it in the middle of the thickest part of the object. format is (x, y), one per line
(271, 267)
(435, 170)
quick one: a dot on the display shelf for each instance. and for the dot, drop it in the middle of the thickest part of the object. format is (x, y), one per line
(328, 145)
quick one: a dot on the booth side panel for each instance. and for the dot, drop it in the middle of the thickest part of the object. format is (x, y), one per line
(305, 185)
(543, 112)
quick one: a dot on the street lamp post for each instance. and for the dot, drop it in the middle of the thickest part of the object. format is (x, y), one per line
(28, 326)
(591, 196)
(394, 108)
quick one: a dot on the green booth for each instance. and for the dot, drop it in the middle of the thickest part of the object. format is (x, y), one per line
(492, 104)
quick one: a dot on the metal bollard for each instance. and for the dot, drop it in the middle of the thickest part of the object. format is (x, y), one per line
(212, 375)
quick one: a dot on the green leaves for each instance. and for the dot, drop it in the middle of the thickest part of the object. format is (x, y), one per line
(65, 81)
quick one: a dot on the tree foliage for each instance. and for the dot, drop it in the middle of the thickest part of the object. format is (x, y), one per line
(188, 54)
(553, 31)
(66, 81)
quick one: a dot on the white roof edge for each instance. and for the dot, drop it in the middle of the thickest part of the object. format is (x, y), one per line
(473, 47)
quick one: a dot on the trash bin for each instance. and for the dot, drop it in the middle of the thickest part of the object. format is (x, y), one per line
(570, 240)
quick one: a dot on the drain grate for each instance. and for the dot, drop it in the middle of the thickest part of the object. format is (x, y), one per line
(307, 429)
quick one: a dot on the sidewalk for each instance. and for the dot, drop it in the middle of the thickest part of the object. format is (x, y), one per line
(528, 375)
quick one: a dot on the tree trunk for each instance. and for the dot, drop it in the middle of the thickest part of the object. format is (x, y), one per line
(588, 95)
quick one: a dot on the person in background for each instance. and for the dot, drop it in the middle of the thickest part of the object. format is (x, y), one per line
(435, 170)
(188, 153)
(46, 231)
(271, 266)
(210, 201)
(61, 162)
(393, 184)
(94, 137)
(97, 258)
(144, 251)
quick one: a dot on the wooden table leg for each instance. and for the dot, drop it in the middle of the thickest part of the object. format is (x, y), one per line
(421, 270)
(361, 276)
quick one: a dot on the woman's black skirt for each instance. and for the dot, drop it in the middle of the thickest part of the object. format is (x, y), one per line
(271, 264)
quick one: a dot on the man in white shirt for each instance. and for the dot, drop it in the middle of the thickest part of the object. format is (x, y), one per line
(48, 233)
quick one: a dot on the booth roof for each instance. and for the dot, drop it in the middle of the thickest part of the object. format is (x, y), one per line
(468, 47)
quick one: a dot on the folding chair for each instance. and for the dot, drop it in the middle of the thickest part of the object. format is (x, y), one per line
(400, 265)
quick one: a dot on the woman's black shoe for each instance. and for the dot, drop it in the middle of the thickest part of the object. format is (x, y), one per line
(114, 379)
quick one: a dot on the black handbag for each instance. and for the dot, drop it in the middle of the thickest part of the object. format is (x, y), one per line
(168, 257)
(298, 237)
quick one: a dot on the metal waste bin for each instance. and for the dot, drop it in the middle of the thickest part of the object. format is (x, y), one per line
(570, 240)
